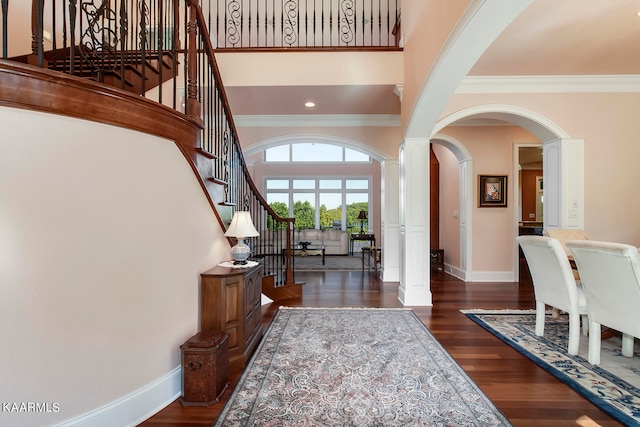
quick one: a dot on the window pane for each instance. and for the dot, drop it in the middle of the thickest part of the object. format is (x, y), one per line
(277, 154)
(354, 156)
(273, 184)
(304, 184)
(330, 184)
(281, 198)
(357, 184)
(279, 202)
(304, 210)
(314, 152)
(331, 211)
(357, 202)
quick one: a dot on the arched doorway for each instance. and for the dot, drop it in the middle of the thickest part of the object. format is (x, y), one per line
(549, 135)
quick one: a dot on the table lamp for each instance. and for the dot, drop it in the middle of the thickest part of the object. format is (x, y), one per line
(362, 217)
(241, 227)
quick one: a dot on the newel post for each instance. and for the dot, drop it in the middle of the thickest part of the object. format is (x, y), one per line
(288, 268)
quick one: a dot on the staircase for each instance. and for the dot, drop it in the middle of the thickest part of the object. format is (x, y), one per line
(133, 71)
(104, 57)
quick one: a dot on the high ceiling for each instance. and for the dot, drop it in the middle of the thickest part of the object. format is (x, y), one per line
(551, 37)
(567, 37)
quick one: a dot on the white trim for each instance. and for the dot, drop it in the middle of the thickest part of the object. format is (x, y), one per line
(543, 128)
(492, 276)
(303, 120)
(549, 84)
(455, 271)
(136, 407)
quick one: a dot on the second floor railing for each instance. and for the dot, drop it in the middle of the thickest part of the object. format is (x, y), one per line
(308, 24)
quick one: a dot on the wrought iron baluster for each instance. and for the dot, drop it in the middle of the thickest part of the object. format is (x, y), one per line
(5, 14)
(347, 22)
(37, 27)
(99, 39)
(124, 28)
(143, 38)
(233, 23)
(225, 163)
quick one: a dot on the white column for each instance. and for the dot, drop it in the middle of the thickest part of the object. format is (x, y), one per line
(563, 170)
(390, 221)
(415, 257)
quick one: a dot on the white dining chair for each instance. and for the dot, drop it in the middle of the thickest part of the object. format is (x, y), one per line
(610, 274)
(554, 285)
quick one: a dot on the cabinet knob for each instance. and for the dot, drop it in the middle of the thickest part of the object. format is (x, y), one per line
(195, 366)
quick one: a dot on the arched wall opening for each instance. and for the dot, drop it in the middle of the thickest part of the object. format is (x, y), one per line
(545, 130)
(261, 171)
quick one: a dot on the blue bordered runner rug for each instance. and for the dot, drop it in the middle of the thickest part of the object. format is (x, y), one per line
(613, 386)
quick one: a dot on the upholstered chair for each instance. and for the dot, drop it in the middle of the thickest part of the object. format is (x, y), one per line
(610, 275)
(554, 285)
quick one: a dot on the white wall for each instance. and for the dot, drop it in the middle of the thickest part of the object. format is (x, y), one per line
(103, 234)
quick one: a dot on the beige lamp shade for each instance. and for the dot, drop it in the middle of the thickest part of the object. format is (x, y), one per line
(241, 226)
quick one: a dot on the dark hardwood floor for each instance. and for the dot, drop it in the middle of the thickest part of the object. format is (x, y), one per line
(525, 393)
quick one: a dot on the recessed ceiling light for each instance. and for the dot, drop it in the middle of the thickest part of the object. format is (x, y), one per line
(309, 104)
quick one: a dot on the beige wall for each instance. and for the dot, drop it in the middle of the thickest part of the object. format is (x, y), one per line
(309, 68)
(426, 25)
(100, 258)
(609, 126)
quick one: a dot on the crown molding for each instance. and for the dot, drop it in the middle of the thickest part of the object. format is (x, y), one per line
(550, 84)
(330, 120)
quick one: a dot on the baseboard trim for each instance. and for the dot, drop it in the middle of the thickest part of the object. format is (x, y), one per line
(390, 274)
(136, 407)
(491, 276)
(456, 272)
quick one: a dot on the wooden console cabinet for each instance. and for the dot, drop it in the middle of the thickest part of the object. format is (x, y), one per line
(230, 301)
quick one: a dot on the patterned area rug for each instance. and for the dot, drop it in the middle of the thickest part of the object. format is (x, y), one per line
(354, 367)
(613, 386)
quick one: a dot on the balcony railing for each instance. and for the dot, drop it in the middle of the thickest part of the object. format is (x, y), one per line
(308, 24)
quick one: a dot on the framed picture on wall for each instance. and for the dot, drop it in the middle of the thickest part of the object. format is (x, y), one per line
(492, 191)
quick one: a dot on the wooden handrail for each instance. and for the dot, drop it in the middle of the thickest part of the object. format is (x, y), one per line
(242, 189)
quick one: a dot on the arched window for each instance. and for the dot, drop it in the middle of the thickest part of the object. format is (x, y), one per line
(313, 152)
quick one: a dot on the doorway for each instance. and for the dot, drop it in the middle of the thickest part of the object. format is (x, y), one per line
(529, 185)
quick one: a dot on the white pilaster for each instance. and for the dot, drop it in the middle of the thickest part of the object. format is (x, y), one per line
(415, 258)
(390, 220)
(563, 164)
